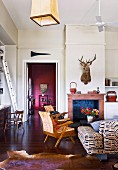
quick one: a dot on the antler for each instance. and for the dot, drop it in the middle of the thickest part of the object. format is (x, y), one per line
(81, 62)
(87, 62)
(90, 61)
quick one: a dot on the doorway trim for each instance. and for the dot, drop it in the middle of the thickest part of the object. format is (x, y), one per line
(25, 83)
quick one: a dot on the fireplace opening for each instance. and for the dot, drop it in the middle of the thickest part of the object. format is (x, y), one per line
(78, 104)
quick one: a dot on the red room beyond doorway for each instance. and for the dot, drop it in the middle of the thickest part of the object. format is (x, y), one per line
(41, 73)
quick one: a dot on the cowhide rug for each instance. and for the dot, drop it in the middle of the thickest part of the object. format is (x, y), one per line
(20, 160)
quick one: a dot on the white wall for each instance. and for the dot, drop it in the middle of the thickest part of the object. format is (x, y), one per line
(111, 71)
(111, 50)
(7, 27)
(8, 36)
(79, 41)
(41, 41)
(86, 42)
(11, 58)
(10, 55)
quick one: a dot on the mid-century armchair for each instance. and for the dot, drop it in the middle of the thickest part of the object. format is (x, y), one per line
(57, 131)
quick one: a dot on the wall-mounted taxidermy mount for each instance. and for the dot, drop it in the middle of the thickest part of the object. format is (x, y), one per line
(35, 54)
(86, 75)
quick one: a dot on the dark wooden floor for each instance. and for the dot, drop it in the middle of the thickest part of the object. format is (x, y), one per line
(32, 141)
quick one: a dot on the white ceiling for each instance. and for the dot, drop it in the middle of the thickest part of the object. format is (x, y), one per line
(70, 11)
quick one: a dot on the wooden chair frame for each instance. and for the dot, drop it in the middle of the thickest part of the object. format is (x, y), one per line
(14, 119)
(58, 131)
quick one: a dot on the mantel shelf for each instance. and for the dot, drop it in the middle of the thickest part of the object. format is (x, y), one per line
(85, 96)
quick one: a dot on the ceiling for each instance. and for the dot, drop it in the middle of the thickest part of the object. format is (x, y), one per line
(70, 11)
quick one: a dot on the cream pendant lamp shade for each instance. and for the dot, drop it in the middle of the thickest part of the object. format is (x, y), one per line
(45, 12)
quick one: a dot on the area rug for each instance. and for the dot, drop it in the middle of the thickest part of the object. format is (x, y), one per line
(21, 160)
(115, 166)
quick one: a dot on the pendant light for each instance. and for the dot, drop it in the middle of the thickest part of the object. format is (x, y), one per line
(45, 12)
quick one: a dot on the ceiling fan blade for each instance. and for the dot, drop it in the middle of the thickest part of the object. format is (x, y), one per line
(100, 28)
(98, 19)
(112, 24)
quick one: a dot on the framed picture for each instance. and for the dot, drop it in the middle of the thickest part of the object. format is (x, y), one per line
(43, 100)
(43, 88)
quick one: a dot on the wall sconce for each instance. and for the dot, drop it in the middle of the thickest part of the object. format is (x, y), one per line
(43, 88)
(45, 12)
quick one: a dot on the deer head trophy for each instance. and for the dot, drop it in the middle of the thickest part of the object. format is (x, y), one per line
(86, 76)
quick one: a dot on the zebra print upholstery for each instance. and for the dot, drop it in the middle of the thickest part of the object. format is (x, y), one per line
(109, 131)
(103, 142)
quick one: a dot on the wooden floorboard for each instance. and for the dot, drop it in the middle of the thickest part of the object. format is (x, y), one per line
(32, 141)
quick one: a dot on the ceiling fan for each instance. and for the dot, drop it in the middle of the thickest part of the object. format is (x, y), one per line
(102, 24)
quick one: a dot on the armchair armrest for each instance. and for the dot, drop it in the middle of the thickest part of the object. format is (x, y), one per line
(62, 127)
(65, 124)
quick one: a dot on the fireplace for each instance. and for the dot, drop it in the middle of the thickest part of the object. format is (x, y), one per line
(75, 101)
(78, 104)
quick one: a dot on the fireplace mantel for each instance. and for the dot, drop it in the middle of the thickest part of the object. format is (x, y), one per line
(99, 97)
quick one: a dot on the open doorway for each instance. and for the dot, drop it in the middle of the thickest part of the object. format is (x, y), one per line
(41, 74)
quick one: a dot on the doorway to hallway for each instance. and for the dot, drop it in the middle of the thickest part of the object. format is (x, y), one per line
(41, 74)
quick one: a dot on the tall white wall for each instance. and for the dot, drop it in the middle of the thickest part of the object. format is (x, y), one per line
(86, 42)
(111, 71)
(50, 41)
(79, 41)
(8, 36)
(11, 58)
(111, 50)
(10, 55)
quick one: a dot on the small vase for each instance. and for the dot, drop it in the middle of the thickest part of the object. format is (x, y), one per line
(89, 119)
